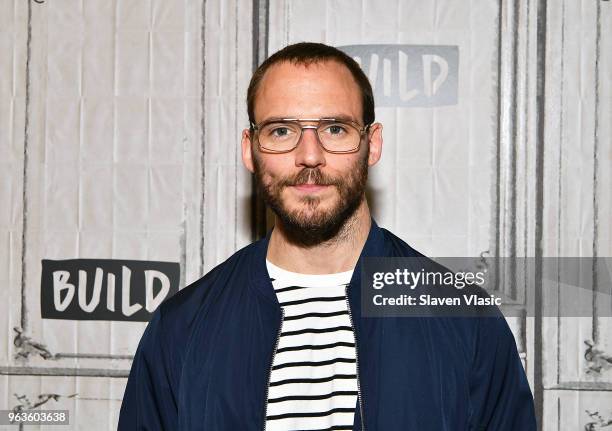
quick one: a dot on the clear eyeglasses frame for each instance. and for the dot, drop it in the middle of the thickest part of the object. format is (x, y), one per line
(349, 143)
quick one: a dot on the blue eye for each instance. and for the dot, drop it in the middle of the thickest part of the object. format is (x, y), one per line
(280, 131)
(335, 130)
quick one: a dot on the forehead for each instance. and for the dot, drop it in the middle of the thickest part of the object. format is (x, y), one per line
(319, 89)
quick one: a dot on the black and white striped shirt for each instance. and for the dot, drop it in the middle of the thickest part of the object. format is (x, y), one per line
(313, 383)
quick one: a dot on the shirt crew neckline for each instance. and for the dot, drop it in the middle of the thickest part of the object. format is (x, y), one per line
(278, 272)
(376, 245)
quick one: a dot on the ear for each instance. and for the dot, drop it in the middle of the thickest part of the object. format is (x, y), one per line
(376, 142)
(247, 150)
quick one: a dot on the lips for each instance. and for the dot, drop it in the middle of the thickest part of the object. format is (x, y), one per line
(310, 187)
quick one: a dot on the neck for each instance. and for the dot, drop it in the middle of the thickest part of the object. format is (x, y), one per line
(337, 254)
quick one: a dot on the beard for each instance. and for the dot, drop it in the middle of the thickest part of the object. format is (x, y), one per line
(311, 225)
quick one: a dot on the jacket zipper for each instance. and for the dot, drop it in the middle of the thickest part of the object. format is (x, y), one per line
(348, 306)
(280, 330)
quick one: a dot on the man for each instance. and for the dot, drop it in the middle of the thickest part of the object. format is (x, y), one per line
(273, 338)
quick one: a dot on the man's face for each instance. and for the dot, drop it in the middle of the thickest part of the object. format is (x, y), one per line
(312, 191)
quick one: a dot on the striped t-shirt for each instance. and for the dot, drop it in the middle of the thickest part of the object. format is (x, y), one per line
(313, 382)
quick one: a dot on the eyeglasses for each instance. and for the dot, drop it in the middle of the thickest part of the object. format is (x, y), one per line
(282, 135)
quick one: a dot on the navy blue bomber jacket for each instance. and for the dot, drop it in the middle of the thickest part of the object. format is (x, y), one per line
(204, 360)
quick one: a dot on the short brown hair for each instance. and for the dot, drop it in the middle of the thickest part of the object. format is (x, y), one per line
(307, 53)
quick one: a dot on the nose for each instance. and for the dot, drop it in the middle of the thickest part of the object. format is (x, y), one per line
(309, 151)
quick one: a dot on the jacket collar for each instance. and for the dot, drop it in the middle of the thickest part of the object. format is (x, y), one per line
(258, 271)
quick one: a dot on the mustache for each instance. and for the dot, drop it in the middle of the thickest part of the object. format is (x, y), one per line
(309, 176)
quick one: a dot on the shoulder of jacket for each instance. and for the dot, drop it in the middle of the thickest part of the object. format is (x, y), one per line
(178, 312)
(395, 246)
(469, 327)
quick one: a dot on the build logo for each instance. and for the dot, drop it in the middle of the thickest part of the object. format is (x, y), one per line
(409, 75)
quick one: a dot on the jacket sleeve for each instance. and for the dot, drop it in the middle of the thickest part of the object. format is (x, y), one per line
(500, 396)
(149, 403)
